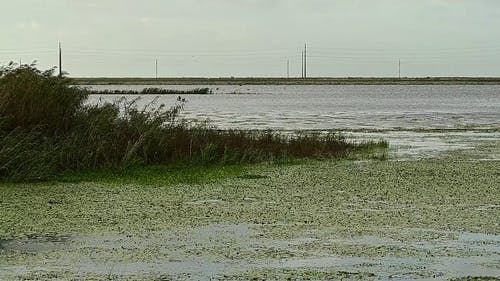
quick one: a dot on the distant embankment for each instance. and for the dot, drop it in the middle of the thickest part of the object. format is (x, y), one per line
(291, 81)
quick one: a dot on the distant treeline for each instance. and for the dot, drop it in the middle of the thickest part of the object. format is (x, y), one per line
(152, 91)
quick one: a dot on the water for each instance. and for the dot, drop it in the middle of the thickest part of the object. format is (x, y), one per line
(344, 107)
(202, 253)
(196, 254)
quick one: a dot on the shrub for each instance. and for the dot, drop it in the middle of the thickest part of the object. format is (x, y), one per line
(30, 98)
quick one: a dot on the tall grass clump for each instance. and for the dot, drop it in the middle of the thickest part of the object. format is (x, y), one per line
(46, 128)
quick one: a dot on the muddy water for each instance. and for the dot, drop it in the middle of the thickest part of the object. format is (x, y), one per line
(400, 114)
(412, 145)
(325, 107)
(218, 251)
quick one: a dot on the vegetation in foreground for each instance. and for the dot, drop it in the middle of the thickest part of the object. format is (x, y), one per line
(410, 214)
(157, 175)
(47, 128)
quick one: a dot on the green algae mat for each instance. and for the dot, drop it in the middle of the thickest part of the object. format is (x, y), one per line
(430, 219)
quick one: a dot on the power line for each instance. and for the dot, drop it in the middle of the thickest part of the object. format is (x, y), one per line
(269, 57)
(339, 54)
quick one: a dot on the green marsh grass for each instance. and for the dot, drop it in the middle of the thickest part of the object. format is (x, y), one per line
(47, 128)
(157, 175)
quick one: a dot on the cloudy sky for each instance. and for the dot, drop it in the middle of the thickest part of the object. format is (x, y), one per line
(214, 38)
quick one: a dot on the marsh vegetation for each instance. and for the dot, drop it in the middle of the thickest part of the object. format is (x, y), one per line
(47, 128)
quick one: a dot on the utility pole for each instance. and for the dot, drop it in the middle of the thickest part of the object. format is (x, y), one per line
(156, 69)
(305, 61)
(60, 60)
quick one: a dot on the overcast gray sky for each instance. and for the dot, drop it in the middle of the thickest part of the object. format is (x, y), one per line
(255, 37)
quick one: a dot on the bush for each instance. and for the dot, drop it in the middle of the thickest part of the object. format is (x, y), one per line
(32, 99)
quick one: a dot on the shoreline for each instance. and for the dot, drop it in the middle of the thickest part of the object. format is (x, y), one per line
(288, 81)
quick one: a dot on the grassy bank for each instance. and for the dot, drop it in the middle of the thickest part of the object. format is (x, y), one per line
(47, 128)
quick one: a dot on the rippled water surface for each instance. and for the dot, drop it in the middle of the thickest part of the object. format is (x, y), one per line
(345, 107)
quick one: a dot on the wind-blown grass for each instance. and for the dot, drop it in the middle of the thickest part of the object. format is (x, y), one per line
(47, 128)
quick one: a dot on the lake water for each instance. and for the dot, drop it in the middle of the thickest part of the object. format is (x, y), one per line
(406, 116)
(345, 107)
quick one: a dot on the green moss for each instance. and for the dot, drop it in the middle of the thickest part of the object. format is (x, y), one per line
(252, 215)
(156, 175)
(300, 274)
(435, 193)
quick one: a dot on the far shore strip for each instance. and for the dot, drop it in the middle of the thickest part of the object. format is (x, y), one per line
(289, 81)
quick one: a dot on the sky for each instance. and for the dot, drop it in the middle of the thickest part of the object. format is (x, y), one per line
(254, 38)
